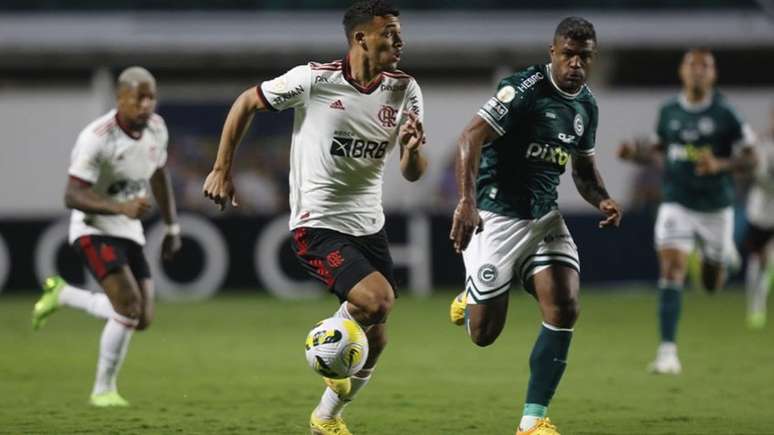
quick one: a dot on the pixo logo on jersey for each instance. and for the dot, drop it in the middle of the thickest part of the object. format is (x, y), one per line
(686, 153)
(358, 148)
(388, 116)
(548, 153)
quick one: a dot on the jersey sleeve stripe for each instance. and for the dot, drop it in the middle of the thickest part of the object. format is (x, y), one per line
(486, 117)
(81, 181)
(589, 152)
(264, 99)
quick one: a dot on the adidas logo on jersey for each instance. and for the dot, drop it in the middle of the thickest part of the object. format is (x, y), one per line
(337, 105)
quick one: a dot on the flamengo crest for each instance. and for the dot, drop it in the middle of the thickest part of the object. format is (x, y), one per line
(388, 116)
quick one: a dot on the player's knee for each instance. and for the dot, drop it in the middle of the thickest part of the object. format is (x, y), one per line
(565, 313)
(144, 322)
(712, 283)
(378, 308)
(129, 308)
(484, 333)
(483, 337)
(673, 271)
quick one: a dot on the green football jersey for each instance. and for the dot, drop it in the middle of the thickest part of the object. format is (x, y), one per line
(685, 132)
(540, 128)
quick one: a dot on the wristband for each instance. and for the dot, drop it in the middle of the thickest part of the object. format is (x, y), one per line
(172, 229)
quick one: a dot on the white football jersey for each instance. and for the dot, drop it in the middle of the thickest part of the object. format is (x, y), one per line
(342, 135)
(760, 201)
(117, 166)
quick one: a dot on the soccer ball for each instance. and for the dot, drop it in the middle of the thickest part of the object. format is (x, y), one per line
(336, 348)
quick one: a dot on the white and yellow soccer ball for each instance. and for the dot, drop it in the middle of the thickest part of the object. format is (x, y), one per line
(336, 348)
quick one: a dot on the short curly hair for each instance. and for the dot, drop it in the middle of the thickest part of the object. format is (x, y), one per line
(576, 28)
(364, 11)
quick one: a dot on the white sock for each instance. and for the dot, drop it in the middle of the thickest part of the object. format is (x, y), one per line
(96, 304)
(527, 421)
(667, 348)
(331, 405)
(343, 313)
(756, 284)
(359, 380)
(113, 346)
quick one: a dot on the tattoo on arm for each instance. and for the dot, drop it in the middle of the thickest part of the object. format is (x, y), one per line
(588, 181)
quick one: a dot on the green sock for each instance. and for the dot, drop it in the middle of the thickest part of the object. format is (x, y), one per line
(546, 363)
(535, 410)
(669, 307)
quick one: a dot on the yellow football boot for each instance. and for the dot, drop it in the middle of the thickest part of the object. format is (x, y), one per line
(542, 427)
(48, 302)
(336, 426)
(108, 400)
(457, 309)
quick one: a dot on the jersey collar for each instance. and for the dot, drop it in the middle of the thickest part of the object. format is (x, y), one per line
(695, 107)
(558, 89)
(369, 88)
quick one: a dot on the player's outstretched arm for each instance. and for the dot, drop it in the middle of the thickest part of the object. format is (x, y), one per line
(744, 162)
(641, 152)
(165, 198)
(591, 187)
(412, 136)
(466, 219)
(80, 196)
(218, 186)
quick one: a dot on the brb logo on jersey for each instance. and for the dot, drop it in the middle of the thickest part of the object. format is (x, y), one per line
(548, 153)
(127, 189)
(388, 116)
(358, 148)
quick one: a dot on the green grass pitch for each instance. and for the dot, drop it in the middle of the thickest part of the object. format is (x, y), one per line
(235, 365)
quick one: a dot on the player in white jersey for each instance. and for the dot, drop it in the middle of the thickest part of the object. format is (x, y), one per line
(760, 215)
(349, 116)
(116, 159)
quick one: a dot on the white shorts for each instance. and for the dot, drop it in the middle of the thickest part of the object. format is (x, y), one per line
(509, 246)
(680, 228)
(760, 207)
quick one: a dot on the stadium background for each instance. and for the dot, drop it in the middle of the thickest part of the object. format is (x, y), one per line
(58, 63)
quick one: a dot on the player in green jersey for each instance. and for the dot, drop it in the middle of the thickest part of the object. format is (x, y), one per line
(507, 226)
(700, 141)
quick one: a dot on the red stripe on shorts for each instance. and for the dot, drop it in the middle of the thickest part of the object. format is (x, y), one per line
(298, 237)
(323, 271)
(91, 255)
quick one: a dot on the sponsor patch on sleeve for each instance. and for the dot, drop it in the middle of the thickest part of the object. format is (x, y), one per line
(506, 94)
(495, 108)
